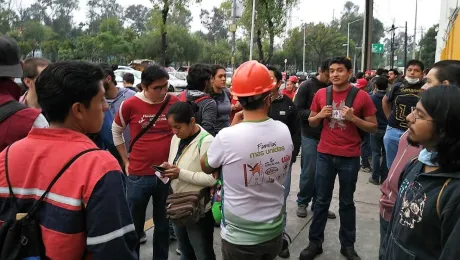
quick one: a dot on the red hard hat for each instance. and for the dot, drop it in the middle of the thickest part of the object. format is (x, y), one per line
(251, 79)
(293, 79)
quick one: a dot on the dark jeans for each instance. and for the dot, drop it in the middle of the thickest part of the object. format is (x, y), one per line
(379, 157)
(307, 173)
(365, 150)
(265, 251)
(383, 232)
(196, 241)
(327, 167)
(139, 191)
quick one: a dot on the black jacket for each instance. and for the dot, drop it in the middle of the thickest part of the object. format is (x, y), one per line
(284, 110)
(207, 110)
(303, 100)
(416, 231)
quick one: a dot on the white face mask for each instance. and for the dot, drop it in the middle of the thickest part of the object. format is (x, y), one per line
(412, 80)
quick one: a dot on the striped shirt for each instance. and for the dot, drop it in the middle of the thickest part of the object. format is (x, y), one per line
(86, 214)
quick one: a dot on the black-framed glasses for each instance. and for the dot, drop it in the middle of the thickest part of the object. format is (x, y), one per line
(415, 115)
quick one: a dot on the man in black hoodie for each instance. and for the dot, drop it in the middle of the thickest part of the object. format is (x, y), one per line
(284, 110)
(310, 139)
(425, 222)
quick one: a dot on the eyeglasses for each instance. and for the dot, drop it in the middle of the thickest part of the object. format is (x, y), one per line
(160, 88)
(415, 115)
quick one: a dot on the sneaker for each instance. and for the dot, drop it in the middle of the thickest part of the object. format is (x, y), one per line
(143, 239)
(311, 252)
(331, 215)
(285, 249)
(374, 181)
(366, 169)
(350, 253)
(178, 252)
(302, 211)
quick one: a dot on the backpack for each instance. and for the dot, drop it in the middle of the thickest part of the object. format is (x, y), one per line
(10, 108)
(183, 97)
(348, 102)
(20, 234)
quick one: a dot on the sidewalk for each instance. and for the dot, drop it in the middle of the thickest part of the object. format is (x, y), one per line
(367, 221)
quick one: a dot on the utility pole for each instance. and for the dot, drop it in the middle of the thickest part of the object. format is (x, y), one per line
(368, 20)
(392, 57)
(233, 30)
(405, 49)
(251, 44)
(303, 59)
(421, 38)
(414, 44)
(348, 37)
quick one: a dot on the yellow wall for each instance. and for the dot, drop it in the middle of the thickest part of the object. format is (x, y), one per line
(452, 48)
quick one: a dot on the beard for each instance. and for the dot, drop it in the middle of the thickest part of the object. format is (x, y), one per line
(411, 142)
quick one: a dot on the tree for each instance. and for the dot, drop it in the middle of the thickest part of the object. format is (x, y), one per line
(137, 16)
(325, 41)
(215, 23)
(270, 21)
(428, 46)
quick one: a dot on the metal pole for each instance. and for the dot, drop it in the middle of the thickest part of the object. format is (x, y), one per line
(251, 44)
(415, 30)
(234, 36)
(348, 41)
(303, 60)
(367, 59)
(354, 63)
(405, 49)
(393, 28)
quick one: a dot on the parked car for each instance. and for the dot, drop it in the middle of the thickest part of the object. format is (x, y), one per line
(137, 79)
(176, 84)
(179, 75)
(228, 80)
(122, 67)
(183, 69)
(302, 75)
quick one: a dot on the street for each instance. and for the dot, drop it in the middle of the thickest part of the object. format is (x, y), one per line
(367, 217)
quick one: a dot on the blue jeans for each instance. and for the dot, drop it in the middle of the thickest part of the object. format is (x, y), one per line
(383, 232)
(328, 166)
(307, 173)
(139, 191)
(287, 189)
(379, 168)
(365, 150)
(196, 241)
(391, 142)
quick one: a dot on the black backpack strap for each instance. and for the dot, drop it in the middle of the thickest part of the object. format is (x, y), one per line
(10, 108)
(154, 119)
(329, 96)
(351, 96)
(37, 204)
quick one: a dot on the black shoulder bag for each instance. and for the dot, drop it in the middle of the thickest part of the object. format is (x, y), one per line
(20, 235)
(151, 123)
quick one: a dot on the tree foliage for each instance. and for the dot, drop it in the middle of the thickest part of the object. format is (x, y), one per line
(428, 46)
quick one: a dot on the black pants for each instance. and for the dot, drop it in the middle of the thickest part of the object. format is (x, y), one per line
(266, 251)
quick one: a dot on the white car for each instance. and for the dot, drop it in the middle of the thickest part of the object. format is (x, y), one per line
(178, 84)
(121, 67)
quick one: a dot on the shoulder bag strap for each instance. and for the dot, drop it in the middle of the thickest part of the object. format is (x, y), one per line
(152, 121)
(10, 108)
(438, 209)
(351, 96)
(37, 204)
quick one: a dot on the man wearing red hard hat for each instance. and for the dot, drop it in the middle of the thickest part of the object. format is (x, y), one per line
(255, 155)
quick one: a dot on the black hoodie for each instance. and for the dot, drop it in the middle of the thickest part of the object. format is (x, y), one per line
(416, 231)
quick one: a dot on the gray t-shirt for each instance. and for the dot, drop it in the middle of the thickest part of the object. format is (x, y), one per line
(224, 109)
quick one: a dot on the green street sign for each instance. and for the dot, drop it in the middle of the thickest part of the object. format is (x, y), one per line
(377, 48)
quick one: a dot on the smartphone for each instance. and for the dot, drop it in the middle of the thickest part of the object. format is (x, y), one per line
(158, 168)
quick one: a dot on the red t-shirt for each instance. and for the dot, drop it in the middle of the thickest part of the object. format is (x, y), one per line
(340, 137)
(153, 147)
(288, 93)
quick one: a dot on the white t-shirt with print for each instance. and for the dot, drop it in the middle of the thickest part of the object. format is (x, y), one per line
(255, 159)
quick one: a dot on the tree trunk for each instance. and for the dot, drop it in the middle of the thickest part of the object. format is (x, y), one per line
(259, 45)
(164, 45)
(271, 34)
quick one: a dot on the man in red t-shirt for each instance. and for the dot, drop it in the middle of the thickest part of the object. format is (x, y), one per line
(150, 149)
(339, 150)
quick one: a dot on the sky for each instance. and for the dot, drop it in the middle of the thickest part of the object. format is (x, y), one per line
(386, 11)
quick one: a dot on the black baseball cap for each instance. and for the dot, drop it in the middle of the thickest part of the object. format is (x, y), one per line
(10, 58)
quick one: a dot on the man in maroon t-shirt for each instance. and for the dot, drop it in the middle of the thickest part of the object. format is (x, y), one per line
(339, 150)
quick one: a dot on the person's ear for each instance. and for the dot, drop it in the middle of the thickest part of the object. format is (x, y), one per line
(77, 110)
(446, 83)
(28, 82)
(192, 120)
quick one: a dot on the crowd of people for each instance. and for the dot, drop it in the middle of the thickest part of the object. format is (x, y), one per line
(96, 154)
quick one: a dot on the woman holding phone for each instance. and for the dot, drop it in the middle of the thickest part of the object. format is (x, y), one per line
(189, 143)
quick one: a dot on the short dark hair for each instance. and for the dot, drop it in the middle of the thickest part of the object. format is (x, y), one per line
(448, 70)
(254, 102)
(341, 60)
(324, 65)
(215, 68)
(198, 77)
(277, 73)
(395, 71)
(360, 75)
(128, 78)
(381, 83)
(153, 73)
(65, 83)
(380, 71)
(31, 65)
(109, 71)
(416, 63)
(353, 79)
(441, 103)
(183, 112)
